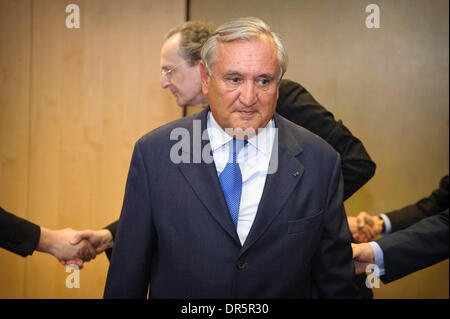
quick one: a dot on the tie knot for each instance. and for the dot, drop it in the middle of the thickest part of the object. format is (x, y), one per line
(236, 147)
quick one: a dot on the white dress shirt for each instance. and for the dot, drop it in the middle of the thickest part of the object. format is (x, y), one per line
(254, 163)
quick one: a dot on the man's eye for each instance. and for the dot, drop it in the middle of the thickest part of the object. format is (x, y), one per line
(262, 82)
(234, 80)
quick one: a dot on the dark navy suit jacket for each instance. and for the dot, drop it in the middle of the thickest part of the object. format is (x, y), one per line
(416, 247)
(176, 238)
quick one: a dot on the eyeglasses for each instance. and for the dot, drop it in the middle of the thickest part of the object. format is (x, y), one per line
(168, 71)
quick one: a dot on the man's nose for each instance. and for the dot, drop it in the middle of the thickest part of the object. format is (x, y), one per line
(249, 93)
(164, 81)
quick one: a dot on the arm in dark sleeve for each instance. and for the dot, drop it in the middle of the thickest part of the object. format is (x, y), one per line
(112, 229)
(419, 246)
(333, 266)
(431, 205)
(297, 105)
(18, 235)
(131, 260)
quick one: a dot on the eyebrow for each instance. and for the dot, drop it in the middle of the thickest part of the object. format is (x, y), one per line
(266, 75)
(235, 73)
(232, 73)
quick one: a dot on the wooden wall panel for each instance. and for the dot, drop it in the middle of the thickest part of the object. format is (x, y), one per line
(14, 130)
(94, 91)
(388, 85)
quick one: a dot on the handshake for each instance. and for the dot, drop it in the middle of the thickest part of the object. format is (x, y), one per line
(71, 246)
(74, 247)
(365, 227)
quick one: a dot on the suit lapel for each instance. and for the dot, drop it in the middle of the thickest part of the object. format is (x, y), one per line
(203, 179)
(286, 177)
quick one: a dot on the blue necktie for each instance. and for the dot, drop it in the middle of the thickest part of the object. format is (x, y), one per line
(231, 181)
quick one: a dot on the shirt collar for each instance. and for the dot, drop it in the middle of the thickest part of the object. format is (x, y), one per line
(263, 141)
(217, 135)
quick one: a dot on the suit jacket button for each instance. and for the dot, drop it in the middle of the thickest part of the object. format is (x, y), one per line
(241, 264)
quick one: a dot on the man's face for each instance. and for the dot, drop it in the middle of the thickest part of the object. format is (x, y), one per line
(182, 80)
(243, 88)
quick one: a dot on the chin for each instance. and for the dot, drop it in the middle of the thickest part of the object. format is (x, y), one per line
(247, 129)
(181, 103)
(247, 122)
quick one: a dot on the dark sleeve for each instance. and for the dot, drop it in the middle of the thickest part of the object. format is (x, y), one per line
(129, 270)
(113, 229)
(297, 105)
(428, 206)
(333, 268)
(419, 246)
(18, 235)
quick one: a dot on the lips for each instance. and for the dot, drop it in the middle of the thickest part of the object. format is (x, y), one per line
(246, 114)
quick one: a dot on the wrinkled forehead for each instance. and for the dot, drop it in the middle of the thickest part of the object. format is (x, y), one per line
(244, 56)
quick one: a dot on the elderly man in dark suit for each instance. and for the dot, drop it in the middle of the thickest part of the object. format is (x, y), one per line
(250, 207)
(180, 60)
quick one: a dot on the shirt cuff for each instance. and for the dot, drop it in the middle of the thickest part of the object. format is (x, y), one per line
(379, 257)
(387, 225)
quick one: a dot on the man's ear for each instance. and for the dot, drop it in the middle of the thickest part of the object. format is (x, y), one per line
(205, 76)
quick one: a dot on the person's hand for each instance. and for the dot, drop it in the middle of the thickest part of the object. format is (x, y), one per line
(358, 235)
(352, 224)
(369, 227)
(58, 243)
(362, 257)
(99, 240)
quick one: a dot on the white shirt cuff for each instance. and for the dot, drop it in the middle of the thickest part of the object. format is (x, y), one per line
(387, 225)
(379, 257)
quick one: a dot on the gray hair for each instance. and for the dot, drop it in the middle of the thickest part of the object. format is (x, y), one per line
(242, 29)
(193, 36)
